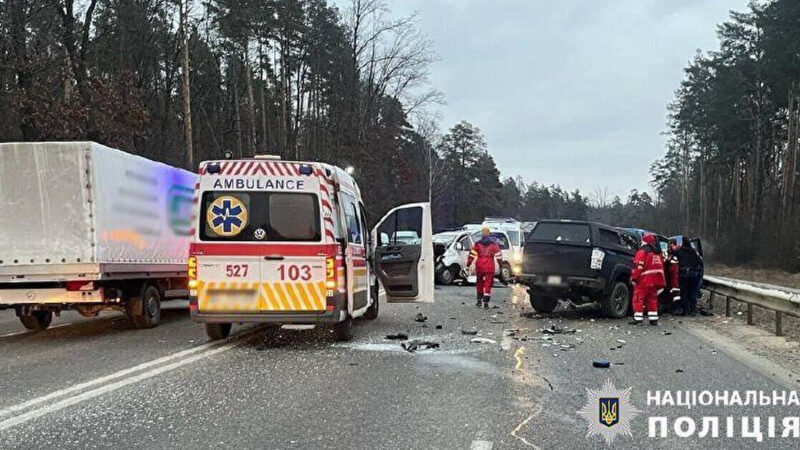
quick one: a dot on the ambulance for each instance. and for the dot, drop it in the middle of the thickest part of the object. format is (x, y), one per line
(286, 242)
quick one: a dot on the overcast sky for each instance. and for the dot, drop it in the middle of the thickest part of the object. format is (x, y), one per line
(566, 92)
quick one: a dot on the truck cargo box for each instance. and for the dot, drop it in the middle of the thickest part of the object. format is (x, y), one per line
(83, 208)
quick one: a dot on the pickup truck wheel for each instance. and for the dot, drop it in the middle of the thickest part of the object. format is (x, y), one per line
(447, 275)
(616, 304)
(543, 304)
(372, 311)
(343, 331)
(217, 331)
(145, 311)
(37, 320)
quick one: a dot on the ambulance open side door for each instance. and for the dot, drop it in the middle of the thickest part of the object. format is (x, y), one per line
(403, 261)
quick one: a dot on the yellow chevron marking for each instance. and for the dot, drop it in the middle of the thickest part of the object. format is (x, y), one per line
(298, 301)
(284, 298)
(308, 299)
(267, 300)
(280, 304)
(318, 300)
(359, 272)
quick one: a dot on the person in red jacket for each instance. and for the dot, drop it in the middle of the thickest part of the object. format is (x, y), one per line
(486, 253)
(648, 280)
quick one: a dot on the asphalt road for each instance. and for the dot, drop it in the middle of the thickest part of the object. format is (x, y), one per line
(99, 383)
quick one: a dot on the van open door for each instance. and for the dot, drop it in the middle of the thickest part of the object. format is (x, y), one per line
(404, 253)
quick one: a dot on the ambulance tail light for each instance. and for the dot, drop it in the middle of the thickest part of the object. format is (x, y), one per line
(330, 273)
(192, 272)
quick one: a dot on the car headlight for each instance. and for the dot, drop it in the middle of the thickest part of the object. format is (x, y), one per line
(517, 257)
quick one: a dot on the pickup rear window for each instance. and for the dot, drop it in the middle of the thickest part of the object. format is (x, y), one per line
(561, 232)
(260, 217)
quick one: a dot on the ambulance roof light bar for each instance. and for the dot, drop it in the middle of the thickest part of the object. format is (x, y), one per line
(268, 157)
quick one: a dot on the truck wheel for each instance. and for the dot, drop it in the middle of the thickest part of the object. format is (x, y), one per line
(616, 304)
(343, 331)
(447, 276)
(37, 320)
(543, 304)
(217, 331)
(145, 311)
(505, 274)
(372, 311)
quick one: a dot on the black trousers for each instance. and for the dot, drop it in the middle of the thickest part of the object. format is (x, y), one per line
(689, 284)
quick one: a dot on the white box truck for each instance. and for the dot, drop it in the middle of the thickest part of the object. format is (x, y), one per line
(87, 227)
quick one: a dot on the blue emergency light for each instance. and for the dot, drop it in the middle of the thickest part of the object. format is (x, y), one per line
(213, 168)
(306, 170)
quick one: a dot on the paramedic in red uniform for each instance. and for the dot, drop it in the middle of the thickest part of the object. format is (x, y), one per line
(485, 253)
(648, 280)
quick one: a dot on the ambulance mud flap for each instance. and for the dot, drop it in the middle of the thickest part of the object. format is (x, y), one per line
(404, 254)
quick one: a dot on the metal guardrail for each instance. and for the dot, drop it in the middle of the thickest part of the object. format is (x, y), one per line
(779, 299)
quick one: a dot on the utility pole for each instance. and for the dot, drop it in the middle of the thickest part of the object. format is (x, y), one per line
(185, 91)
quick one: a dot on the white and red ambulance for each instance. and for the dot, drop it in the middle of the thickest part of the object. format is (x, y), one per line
(286, 242)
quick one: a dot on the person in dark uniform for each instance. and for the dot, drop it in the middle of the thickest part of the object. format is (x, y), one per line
(690, 265)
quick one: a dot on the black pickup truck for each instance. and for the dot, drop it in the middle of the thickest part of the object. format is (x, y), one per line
(581, 262)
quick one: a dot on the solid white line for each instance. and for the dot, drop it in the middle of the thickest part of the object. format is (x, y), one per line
(69, 401)
(106, 378)
(16, 333)
(481, 445)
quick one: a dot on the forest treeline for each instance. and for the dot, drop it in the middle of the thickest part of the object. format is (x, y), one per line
(183, 81)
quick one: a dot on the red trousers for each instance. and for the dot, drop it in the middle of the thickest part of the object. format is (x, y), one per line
(645, 297)
(483, 283)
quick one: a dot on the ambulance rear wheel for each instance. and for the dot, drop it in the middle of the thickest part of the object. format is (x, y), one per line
(217, 331)
(37, 320)
(343, 331)
(372, 311)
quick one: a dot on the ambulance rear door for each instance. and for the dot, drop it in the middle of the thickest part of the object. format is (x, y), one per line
(228, 272)
(404, 253)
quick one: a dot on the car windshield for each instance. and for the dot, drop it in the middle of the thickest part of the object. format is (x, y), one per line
(501, 238)
(444, 238)
(561, 232)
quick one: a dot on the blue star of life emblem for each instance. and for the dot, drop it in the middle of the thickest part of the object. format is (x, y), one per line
(227, 216)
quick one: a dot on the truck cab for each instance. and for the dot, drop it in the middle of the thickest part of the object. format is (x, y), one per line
(286, 242)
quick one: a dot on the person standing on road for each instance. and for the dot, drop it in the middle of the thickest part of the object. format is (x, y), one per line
(486, 253)
(648, 280)
(690, 265)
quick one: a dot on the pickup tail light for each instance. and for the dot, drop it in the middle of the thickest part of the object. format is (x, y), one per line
(597, 259)
(330, 273)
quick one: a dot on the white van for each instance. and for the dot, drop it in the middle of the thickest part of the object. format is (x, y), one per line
(287, 243)
(512, 228)
(454, 248)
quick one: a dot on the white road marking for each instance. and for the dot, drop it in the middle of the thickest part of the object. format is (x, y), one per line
(298, 327)
(104, 379)
(481, 445)
(69, 401)
(17, 333)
